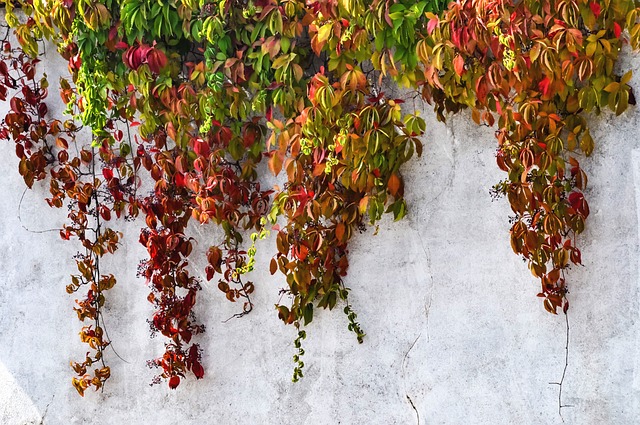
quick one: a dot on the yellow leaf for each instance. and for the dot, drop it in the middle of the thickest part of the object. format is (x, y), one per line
(586, 143)
(364, 203)
(324, 32)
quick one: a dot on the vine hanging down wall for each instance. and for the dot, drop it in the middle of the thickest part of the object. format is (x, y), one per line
(193, 95)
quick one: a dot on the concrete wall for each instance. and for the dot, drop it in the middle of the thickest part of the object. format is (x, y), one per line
(455, 333)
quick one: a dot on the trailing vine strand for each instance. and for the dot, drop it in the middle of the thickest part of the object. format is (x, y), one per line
(192, 95)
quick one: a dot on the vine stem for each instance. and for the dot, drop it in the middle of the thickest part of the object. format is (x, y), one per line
(104, 326)
(97, 234)
(242, 291)
(133, 166)
(564, 371)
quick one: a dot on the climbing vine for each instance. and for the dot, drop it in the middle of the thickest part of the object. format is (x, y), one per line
(172, 105)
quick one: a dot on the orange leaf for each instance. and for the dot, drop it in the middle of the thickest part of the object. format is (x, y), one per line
(394, 184)
(340, 228)
(275, 164)
(458, 65)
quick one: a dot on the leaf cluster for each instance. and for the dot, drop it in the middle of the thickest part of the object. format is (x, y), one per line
(192, 95)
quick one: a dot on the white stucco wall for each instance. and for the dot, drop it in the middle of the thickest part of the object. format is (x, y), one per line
(452, 321)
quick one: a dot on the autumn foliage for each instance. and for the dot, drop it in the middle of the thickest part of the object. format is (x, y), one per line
(191, 96)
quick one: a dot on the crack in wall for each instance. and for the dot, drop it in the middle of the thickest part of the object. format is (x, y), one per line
(404, 364)
(427, 256)
(427, 306)
(46, 409)
(414, 408)
(453, 158)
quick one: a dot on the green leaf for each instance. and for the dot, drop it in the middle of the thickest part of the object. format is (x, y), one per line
(236, 149)
(308, 313)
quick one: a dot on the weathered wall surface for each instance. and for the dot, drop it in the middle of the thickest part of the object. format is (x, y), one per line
(455, 333)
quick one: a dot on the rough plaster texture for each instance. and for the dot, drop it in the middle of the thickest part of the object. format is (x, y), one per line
(455, 333)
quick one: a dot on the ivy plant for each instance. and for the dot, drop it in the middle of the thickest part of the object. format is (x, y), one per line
(192, 95)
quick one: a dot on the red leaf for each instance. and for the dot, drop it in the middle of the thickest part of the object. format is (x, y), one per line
(186, 336)
(455, 37)
(617, 30)
(300, 252)
(576, 256)
(544, 86)
(180, 180)
(190, 299)
(107, 173)
(75, 62)
(249, 136)
(595, 8)
(174, 382)
(482, 89)
(575, 198)
(197, 370)
(488, 115)
(210, 272)
(193, 352)
(201, 147)
(129, 58)
(433, 23)
(113, 32)
(105, 212)
(156, 60)
(153, 251)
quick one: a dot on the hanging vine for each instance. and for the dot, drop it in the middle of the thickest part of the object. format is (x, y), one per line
(540, 67)
(196, 93)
